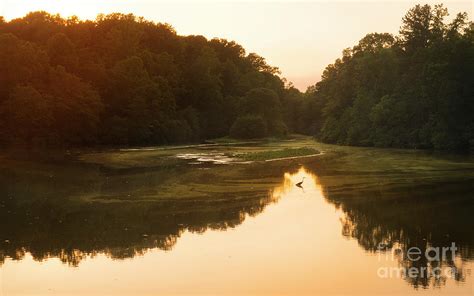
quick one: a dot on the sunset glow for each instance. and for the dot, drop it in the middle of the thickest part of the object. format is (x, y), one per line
(236, 147)
(300, 37)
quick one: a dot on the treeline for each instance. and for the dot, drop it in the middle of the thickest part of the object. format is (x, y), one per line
(122, 80)
(413, 90)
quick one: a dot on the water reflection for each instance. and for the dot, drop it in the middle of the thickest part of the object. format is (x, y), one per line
(297, 183)
(88, 212)
(433, 217)
(69, 219)
(71, 230)
(407, 201)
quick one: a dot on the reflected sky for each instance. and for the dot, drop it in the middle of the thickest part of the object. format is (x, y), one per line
(288, 241)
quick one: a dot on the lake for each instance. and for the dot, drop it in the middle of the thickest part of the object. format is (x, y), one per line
(197, 220)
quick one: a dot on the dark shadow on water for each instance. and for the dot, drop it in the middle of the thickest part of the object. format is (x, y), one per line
(74, 211)
(390, 209)
(71, 212)
(435, 216)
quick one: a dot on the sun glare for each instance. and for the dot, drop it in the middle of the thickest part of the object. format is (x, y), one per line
(85, 9)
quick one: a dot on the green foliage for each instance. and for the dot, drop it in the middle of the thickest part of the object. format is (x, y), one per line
(278, 129)
(249, 127)
(123, 80)
(265, 104)
(414, 90)
(128, 81)
(275, 154)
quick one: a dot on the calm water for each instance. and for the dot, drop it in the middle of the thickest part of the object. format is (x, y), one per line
(193, 221)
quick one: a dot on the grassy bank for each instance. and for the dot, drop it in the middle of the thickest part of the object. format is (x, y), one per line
(276, 154)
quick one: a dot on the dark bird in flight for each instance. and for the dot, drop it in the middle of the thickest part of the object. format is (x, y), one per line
(300, 183)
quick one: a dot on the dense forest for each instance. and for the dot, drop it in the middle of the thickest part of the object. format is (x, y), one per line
(123, 80)
(414, 90)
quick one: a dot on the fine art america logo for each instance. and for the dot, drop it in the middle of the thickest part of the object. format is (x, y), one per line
(419, 263)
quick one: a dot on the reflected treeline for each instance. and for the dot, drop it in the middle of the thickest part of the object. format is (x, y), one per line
(426, 220)
(74, 211)
(70, 232)
(391, 210)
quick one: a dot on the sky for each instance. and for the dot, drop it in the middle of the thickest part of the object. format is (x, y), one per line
(300, 37)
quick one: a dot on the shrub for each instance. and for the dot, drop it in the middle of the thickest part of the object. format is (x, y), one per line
(248, 127)
(278, 129)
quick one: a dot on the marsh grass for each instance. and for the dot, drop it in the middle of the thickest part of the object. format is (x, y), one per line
(275, 154)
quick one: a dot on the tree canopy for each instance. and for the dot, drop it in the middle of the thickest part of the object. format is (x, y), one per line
(123, 80)
(414, 90)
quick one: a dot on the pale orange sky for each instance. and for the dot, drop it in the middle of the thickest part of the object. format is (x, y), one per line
(299, 37)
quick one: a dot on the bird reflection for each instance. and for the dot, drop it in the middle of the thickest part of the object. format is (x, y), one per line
(70, 230)
(300, 184)
(118, 231)
(296, 179)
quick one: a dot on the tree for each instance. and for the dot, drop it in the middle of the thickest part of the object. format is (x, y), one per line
(249, 127)
(413, 90)
(75, 107)
(31, 124)
(20, 62)
(61, 51)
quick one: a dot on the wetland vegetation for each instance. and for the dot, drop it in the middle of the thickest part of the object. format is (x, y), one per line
(126, 147)
(123, 203)
(124, 80)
